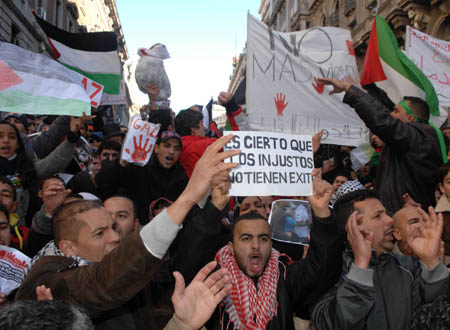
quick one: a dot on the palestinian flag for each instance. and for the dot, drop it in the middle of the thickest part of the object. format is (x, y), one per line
(36, 84)
(94, 55)
(387, 66)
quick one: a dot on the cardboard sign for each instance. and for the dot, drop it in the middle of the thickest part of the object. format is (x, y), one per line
(12, 266)
(283, 94)
(94, 91)
(432, 56)
(271, 164)
(290, 221)
(140, 141)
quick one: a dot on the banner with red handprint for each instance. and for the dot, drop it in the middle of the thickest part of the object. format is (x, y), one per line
(283, 93)
(140, 141)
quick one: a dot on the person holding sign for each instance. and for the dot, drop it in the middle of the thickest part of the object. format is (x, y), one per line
(413, 150)
(267, 288)
(163, 176)
(94, 271)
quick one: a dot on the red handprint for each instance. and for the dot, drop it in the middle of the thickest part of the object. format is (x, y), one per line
(279, 103)
(318, 86)
(139, 153)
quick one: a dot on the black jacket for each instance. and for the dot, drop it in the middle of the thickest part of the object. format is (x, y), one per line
(410, 158)
(142, 184)
(382, 297)
(300, 283)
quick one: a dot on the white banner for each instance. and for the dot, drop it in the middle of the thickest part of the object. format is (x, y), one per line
(94, 90)
(113, 99)
(432, 56)
(139, 141)
(282, 92)
(271, 164)
(12, 266)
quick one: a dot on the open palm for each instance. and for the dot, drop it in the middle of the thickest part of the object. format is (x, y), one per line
(195, 304)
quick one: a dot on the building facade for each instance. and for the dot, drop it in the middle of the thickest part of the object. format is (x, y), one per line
(429, 16)
(18, 26)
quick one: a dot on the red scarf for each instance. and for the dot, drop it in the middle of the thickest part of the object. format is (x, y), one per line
(248, 306)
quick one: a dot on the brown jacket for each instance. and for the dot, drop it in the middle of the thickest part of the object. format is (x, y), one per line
(115, 292)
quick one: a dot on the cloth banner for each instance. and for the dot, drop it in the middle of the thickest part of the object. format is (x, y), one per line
(115, 99)
(140, 141)
(37, 85)
(432, 56)
(271, 164)
(282, 93)
(12, 266)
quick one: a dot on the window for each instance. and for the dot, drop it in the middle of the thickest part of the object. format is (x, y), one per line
(58, 13)
(14, 35)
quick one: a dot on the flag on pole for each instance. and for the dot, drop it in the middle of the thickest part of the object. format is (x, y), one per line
(386, 65)
(93, 55)
(35, 84)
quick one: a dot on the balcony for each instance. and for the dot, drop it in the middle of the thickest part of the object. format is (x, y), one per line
(334, 19)
(349, 5)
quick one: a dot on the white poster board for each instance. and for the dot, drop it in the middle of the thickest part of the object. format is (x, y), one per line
(282, 93)
(139, 141)
(432, 56)
(271, 164)
(12, 267)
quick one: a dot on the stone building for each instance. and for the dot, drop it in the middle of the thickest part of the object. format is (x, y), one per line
(429, 16)
(18, 26)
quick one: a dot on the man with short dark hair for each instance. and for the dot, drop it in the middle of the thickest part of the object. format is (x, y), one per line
(124, 215)
(163, 176)
(109, 150)
(87, 266)
(379, 289)
(189, 124)
(268, 288)
(412, 152)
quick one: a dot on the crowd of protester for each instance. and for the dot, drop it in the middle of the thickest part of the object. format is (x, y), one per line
(114, 245)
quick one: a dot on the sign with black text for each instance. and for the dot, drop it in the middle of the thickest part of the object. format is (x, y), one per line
(271, 164)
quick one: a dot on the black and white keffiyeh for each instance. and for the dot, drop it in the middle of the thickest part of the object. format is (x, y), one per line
(50, 249)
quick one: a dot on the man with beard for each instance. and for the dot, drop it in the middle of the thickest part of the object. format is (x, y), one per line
(163, 176)
(268, 288)
(379, 289)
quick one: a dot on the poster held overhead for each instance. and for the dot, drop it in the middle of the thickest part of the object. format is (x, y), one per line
(282, 92)
(271, 164)
(140, 141)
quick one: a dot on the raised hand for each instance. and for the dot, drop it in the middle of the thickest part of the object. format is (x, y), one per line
(53, 195)
(279, 103)
(43, 293)
(321, 196)
(77, 122)
(195, 304)
(220, 186)
(224, 98)
(338, 85)
(316, 141)
(360, 240)
(139, 153)
(208, 166)
(153, 90)
(426, 247)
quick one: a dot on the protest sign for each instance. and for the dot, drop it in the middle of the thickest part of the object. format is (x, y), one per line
(290, 221)
(283, 94)
(140, 141)
(94, 91)
(12, 266)
(271, 164)
(115, 99)
(35, 84)
(432, 56)
(361, 155)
